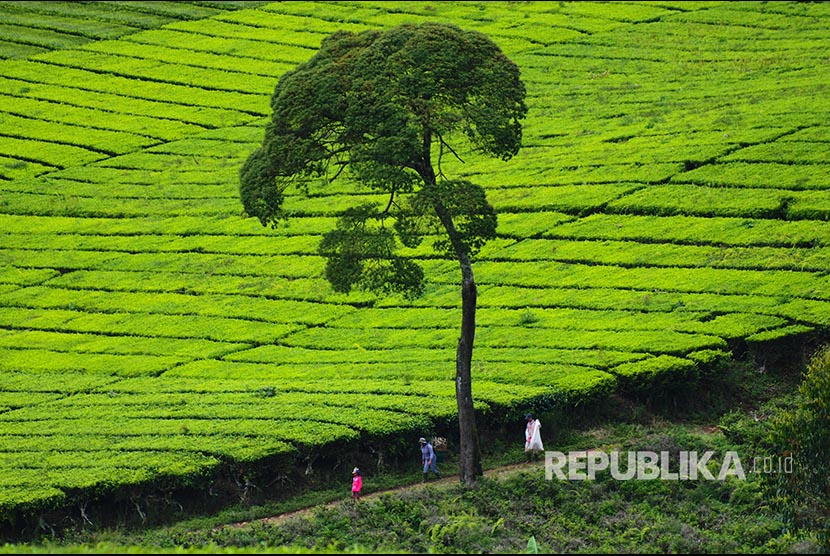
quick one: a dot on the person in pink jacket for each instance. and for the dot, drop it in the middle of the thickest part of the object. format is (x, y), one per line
(357, 484)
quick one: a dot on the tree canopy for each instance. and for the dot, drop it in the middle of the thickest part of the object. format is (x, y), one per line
(382, 103)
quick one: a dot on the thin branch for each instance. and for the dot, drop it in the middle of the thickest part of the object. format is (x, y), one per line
(333, 152)
(82, 507)
(391, 202)
(440, 157)
(441, 139)
(138, 509)
(343, 165)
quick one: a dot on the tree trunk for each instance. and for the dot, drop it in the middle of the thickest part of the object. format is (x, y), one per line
(470, 452)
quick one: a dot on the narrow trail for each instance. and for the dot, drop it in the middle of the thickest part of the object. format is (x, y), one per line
(444, 480)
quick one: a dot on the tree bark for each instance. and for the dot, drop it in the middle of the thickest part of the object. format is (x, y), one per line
(469, 448)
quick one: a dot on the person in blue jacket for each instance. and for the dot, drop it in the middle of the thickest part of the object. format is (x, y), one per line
(428, 459)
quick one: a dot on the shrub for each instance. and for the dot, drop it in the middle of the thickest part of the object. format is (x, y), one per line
(803, 495)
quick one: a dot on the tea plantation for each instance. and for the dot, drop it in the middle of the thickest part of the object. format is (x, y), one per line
(668, 211)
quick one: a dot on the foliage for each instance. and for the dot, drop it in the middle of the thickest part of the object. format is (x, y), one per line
(378, 102)
(115, 548)
(515, 511)
(363, 255)
(803, 434)
(638, 197)
(505, 512)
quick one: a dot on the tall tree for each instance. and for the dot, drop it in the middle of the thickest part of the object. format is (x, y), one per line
(389, 105)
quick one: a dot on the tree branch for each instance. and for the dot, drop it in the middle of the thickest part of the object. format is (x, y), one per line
(389, 205)
(444, 143)
(440, 158)
(343, 165)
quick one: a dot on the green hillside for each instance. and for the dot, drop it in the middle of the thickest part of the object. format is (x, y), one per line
(669, 210)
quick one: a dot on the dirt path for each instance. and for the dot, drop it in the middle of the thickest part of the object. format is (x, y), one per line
(444, 480)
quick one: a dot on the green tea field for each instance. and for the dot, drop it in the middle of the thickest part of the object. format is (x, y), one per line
(669, 209)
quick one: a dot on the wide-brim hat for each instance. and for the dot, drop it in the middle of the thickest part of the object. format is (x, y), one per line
(422, 440)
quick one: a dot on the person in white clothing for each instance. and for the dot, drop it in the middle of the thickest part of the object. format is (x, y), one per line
(533, 437)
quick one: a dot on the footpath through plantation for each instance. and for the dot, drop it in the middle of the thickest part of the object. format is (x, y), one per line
(667, 213)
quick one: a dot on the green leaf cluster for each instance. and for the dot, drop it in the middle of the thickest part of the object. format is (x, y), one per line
(382, 103)
(803, 434)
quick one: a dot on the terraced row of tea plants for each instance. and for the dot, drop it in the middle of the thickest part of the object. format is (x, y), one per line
(669, 208)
